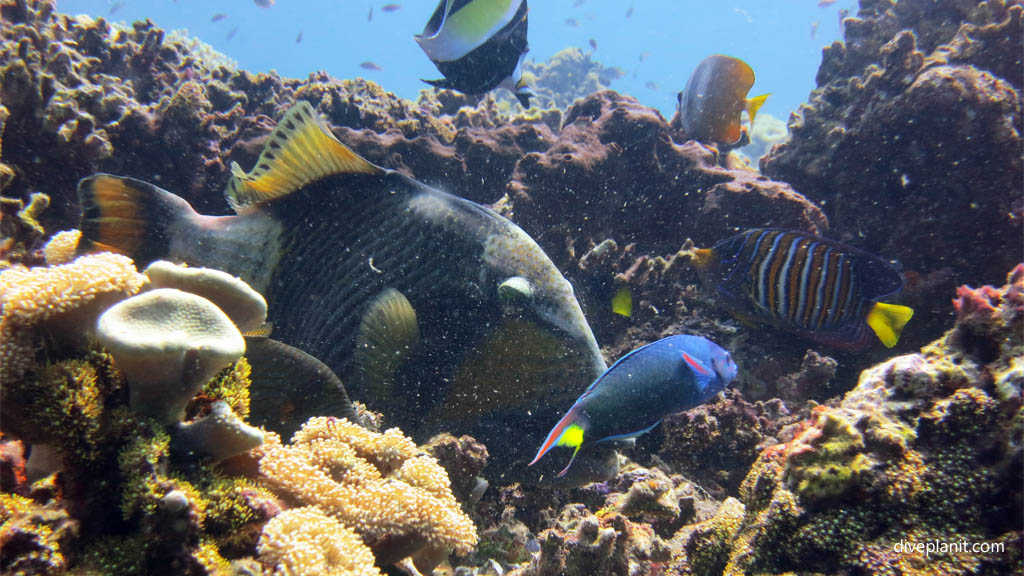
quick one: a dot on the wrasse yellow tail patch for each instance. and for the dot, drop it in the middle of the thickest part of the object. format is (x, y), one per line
(622, 302)
(127, 216)
(753, 105)
(300, 150)
(888, 320)
(568, 432)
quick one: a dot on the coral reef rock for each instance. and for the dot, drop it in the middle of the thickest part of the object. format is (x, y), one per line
(914, 134)
(925, 449)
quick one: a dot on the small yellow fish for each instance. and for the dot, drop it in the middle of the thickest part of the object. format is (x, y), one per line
(622, 302)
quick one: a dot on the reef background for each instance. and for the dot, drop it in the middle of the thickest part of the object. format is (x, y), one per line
(910, 148)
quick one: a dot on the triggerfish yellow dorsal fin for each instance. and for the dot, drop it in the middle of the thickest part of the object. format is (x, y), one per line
(888, 320)
(300, 150)
(753, 105)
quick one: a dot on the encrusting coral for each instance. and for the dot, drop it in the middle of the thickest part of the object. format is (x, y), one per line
(380, 485)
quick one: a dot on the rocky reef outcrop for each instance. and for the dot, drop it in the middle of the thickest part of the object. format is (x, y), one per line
(913, 138)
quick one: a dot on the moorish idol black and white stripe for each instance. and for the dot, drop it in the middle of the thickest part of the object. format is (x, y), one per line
(478, 45)
(823, 290)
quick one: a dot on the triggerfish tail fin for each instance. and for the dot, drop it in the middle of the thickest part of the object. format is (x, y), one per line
(568, 432)
(299, 151)
(888, 320)
(753, 105)
(128, 216)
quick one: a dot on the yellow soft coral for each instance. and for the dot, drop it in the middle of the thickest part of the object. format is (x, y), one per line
(65, 297)
(307, 542)
(397, 498)
(61, 248)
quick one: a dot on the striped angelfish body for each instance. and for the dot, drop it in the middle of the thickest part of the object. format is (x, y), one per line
(803, 282)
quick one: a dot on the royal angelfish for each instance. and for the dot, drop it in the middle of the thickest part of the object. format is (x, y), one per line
(709, 107)
(646, 385)
(823, 290)
(429, 307)
(478, 45)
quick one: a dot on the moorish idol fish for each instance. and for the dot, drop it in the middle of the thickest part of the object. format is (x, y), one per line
(646, 385)
(709, 107)
(478, 45)
(820, 289)
(430, 308)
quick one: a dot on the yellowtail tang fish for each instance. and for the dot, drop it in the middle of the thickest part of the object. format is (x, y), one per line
(478, 45)
(646, 385)
(715, 95)
(820, 289)
(429, 307)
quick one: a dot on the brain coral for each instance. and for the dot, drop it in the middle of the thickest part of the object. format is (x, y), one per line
(379, 485)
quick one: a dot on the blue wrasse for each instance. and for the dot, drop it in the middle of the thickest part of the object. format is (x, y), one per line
(643, 387)
(820, 289)
(478, 45)
(709, 107)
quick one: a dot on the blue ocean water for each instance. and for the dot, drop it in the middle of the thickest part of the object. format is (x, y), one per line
(657, 43)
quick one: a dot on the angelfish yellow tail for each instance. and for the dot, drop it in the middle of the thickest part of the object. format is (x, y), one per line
(888, 320)
(753, 105)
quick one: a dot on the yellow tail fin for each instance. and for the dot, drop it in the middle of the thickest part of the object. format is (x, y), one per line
(888, 320)
(753, 105)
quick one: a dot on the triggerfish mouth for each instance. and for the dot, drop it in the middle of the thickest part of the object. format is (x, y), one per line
(478, 45)
(646, 385)
(715, 95)
(823, 290)
(429, 307)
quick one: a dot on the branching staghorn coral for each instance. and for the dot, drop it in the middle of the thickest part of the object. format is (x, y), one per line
(398, 499)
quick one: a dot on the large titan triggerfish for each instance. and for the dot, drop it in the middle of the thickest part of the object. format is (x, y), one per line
(431, 308)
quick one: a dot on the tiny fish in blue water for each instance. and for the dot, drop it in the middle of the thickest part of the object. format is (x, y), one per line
(478, 45)
(368, 65)
(264, 3)
(715, 96)
(823, 290)
(646, 385)
(652, 85)
(391, 8)
(572, 23)
(232, 33)
(814, 29)
(593, 44)
(116, 7)
(629, 12)
(298, 39)
(218, 17)
(369, 17)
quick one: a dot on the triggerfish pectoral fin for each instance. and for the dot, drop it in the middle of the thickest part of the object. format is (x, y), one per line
(753, 105)
(888, 320)
(568, 432)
